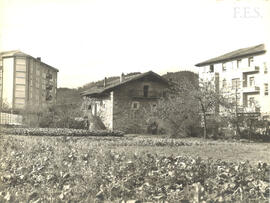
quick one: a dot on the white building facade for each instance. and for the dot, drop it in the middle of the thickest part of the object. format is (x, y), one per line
(244, 73)
(25, 81)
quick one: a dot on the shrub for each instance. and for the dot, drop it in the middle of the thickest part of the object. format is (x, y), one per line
(53, 116)
(255, 136)
(59, 132)
(196, 131)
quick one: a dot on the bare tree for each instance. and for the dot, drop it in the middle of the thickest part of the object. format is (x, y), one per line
(177, 109)
(209, 99)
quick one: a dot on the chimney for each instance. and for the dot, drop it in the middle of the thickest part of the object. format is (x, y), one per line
(39, 58)
(105, 81)
(122, 77)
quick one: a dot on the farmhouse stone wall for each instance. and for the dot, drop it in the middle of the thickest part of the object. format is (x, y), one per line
(106, 111)
(125, 117)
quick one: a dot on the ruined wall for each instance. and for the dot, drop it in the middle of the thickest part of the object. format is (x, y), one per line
(130, 107)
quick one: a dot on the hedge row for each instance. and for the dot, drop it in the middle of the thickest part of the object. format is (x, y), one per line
(60, 132)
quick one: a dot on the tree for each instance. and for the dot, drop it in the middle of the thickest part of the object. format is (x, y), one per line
(209, 99)
(240, 115)
(61, 115)
(5, 107)
(177, 109)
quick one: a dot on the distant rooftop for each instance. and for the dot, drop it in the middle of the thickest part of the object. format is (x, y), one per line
(20, 53)
(237, 54)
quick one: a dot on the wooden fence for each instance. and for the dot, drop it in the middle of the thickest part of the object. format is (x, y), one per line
(10, 119)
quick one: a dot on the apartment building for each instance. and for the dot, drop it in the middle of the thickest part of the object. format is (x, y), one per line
(25, 80)
(243, 73)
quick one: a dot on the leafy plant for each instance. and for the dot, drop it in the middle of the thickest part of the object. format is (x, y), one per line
(64, 169)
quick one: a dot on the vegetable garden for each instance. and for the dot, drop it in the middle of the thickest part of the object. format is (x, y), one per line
(114, 169)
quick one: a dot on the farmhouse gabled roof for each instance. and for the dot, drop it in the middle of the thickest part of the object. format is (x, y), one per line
(12, 53)
(237, 54)
(98, 91)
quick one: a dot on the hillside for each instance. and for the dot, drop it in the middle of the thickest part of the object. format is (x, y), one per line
(68, 96)
(182, 75)
(101, 82)
(72, 96)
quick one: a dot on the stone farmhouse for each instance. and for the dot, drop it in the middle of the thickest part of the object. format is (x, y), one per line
(122, 104)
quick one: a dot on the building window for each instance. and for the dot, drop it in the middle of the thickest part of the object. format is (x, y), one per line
(20, 81)
(236, 83)
(37, 83)
(251, 102)
(250, 61)
(164, 94)
(154, 107)
(21, 67)
(135, 105)
(19, 94)
(145, 90)
(211, 68)
(20, 61)
(266, 89)
(265, 68)
(19, 100)
(224, 67)
(251, 81)
(37, 71)
(20, 74)
(238, 63)
(224, 83)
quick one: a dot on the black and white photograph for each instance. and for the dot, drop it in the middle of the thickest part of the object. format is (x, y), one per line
(134, 101)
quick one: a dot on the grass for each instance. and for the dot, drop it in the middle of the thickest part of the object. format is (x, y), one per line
(215, 149)
(49, 166)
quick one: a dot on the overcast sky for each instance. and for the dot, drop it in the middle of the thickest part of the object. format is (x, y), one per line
(90, 39)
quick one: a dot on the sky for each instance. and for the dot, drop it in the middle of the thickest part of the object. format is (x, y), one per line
(88, 40)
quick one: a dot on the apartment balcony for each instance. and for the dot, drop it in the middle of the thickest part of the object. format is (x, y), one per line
(48, 97)
(251, 69)
(251, 89)
(251, 111)
(248, 109)
(49, 87)
(208, 76)
(140, 94)
(49, 76)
